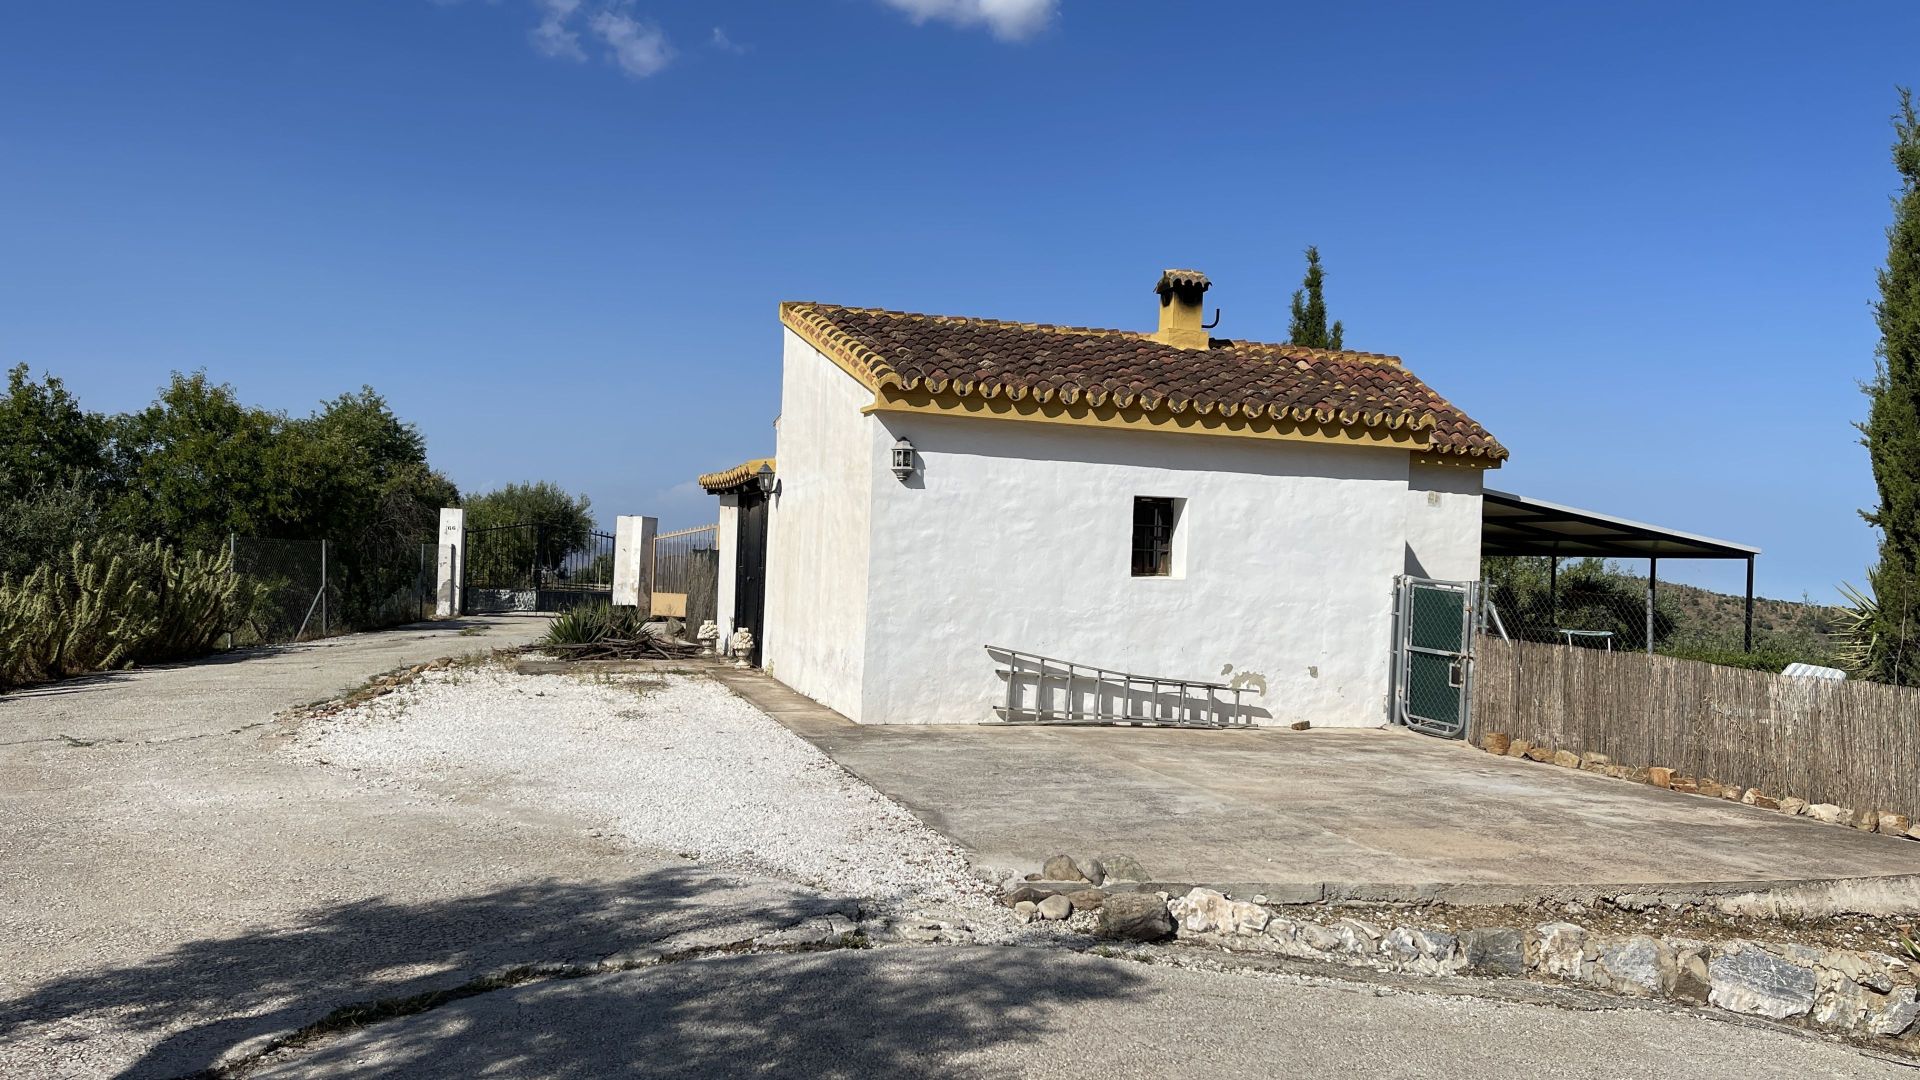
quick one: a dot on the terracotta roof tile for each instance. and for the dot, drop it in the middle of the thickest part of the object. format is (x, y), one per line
(733, 479)
(989, 358)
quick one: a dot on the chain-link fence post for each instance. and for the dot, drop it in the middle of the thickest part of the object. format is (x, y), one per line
(233, 567)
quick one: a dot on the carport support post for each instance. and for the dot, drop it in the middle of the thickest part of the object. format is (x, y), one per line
(633, 562)
(1749, 637)
(1653, 584)
(1553, 593)
(453, 558)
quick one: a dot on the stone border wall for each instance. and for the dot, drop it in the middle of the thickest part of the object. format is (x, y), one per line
(1866, 818)
(1867, 995)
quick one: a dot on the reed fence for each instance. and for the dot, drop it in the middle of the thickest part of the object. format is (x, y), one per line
(1854, 744)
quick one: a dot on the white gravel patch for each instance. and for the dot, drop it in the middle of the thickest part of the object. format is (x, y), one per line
(675, 764)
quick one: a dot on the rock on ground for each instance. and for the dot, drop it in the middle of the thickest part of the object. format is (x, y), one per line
(1135, 917)
(1751, 980)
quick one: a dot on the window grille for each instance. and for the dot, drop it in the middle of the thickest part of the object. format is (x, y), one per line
(1153, 524)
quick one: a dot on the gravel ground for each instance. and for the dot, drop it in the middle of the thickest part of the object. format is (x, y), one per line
(672, 764)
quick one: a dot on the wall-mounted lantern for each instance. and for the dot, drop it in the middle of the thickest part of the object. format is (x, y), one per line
(765, 478)
(902, 458)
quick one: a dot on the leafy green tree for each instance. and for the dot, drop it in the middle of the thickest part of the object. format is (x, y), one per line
(54, 477)
(42, 524)
(1885, 644)
(45, 437)
(564, 526)
(1309, 324)
(200, 466)
(364, 484)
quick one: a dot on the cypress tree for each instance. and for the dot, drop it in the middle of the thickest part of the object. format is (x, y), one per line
(1309, 326)
(1892, 429)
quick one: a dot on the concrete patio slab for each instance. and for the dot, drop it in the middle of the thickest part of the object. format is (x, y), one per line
(1305, 816)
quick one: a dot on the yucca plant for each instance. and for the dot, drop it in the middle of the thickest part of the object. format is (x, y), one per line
(604, 632)
(585, 624)
(1879, 634)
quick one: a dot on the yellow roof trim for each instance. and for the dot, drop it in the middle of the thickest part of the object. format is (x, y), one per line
(1134, 417)
(1458, 459)
(719, 483)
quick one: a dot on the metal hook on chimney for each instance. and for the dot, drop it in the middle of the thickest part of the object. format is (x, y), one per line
(1214, 323)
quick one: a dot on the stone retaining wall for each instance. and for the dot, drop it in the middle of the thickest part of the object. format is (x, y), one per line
(1869, 995)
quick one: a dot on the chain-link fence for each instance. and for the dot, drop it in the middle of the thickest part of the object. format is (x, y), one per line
(1614, 605)
(314, 588)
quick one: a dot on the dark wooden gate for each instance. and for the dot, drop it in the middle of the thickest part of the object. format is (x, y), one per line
(750, 569)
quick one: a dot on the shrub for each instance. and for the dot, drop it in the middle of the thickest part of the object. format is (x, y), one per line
(1762, 658)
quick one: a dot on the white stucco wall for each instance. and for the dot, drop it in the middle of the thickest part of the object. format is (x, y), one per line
(1019, 534)
(1443, 522)
(727, 546)
(818, 530)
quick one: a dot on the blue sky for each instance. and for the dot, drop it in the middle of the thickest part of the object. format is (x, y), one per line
(1636, 240)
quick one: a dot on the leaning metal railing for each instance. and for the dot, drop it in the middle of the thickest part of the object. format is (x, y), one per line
(1041, 689)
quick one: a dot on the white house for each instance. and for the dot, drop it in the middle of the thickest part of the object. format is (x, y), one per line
(1165, 503)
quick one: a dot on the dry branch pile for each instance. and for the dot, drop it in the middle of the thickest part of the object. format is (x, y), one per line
(642, 646)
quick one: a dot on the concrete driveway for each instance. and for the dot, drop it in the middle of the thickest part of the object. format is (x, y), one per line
(1366, 814)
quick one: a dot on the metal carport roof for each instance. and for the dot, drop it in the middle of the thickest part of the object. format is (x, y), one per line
(1516, 525)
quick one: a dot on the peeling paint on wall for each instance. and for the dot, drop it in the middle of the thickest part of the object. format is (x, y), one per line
(1247, 680)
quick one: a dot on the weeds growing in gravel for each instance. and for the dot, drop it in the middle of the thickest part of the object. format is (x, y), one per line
(638, 686)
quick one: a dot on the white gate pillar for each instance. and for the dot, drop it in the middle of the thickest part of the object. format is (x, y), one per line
(633, 562)
(726, 542)
(453, 560)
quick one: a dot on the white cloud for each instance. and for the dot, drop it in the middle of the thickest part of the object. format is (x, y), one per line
(1010, 20)
(554, 36)
(721, 41)
(640, 48)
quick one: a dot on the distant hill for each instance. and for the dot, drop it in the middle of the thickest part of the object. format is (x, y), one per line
(1800, 627)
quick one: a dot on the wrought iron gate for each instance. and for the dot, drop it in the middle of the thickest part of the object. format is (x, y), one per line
(1433, 655)
(534, 568)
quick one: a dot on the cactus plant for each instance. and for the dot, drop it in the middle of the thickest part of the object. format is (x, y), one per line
(113, 602)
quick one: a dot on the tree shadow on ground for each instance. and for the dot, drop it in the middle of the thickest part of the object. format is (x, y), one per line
(899, 1012)
(195, 1002)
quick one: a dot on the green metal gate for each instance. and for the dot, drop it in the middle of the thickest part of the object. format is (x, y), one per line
(1433, 655)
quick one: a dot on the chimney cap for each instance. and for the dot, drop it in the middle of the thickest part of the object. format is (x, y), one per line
(1182, 280)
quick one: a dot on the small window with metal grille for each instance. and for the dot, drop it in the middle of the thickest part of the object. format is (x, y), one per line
(1154, 523)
